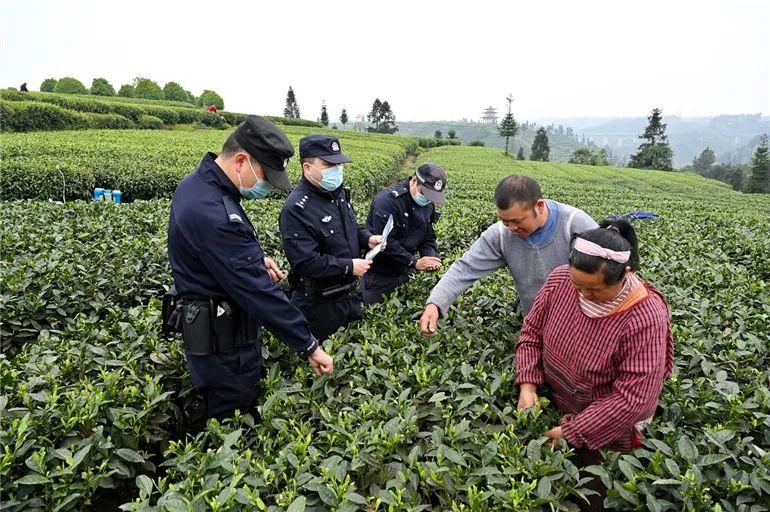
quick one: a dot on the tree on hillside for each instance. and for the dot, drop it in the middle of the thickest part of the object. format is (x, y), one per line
(759, 177)
(69, 85)
(101, 87)
(589, 156)
(702, 163)
(451, 134)
(209, 97)
(147, 89)
(172, 91)
(540, 148)
(48, 85)
(344, 118)
(508, 127)
(734, 175)
(382, 117)
(437, 134)
(126, 90)
(324, 114)
(654, 152)
(292, 107)
(520, 154)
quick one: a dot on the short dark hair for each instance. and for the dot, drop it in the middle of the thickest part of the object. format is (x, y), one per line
(517, 188)
(616, 235)
(231, 146)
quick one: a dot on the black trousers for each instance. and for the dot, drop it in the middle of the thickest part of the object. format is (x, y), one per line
(228, 380)
(585, 457)
(327, 316)
(376, 287)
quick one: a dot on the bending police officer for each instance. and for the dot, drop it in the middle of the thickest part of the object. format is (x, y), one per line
(225, 283)
(411, 203)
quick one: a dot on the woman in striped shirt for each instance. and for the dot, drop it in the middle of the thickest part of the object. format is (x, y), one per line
(600, 338)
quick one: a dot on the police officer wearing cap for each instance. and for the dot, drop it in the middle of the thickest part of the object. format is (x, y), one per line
(322, 240)
(411, 203)
(225, 285)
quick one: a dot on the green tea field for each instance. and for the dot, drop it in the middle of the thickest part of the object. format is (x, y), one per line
(98, 412)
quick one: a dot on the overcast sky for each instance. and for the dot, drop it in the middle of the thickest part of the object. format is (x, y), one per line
(432, 60)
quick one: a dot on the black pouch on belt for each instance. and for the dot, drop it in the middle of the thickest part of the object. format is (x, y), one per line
(196, 328)
(226, 325)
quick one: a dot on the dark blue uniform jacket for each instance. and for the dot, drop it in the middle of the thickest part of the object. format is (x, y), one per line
(214, 253)
(412, 229)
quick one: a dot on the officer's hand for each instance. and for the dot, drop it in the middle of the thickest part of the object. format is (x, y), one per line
(273, 270)
(321, 362)
(374, 240)
(527, 395)
(361, 266)
(428, 263)
(429, 320)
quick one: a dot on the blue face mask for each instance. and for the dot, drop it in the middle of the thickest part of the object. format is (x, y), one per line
(421, 200)
(259, 190)
(332, 177)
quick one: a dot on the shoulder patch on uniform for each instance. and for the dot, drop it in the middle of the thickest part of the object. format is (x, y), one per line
(301, 202)
(233, 213)
(399, 192)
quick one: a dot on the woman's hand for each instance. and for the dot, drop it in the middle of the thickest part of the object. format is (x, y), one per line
(527, 396)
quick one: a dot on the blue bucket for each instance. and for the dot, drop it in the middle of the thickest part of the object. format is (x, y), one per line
(116, 195)
(98, 194)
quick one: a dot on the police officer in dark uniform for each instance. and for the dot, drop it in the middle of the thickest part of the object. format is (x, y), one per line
(225, 284)
(322, 240)
(411, 203)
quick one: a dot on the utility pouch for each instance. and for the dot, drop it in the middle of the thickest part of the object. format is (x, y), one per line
(196, 328)
(171, 314)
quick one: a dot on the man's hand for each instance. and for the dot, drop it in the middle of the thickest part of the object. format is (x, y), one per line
(429, 320)
(272, 269)
(321, 362)
(361, 266)
(527, 396)
(428, 263)
(374, 240)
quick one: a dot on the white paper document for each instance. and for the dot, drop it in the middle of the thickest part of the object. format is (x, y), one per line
(380, 246)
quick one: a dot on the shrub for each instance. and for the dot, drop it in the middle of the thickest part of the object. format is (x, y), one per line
(101, 87)
(234, 118)
(48, 85)
(148, 89)
(208, 97)
(476, 143)
(133, 112)
(69, 85)
(109, 121)
(292, 121)
(150, 122)
(26, 116)
(167, 114)
(126, 90)
(172, 91)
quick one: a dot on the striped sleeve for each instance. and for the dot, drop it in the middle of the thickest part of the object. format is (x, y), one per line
(529, 348)
(641, 373)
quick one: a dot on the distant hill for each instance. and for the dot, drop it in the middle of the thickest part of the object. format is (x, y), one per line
(688, 136)
(562, 145)
(740, 155)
